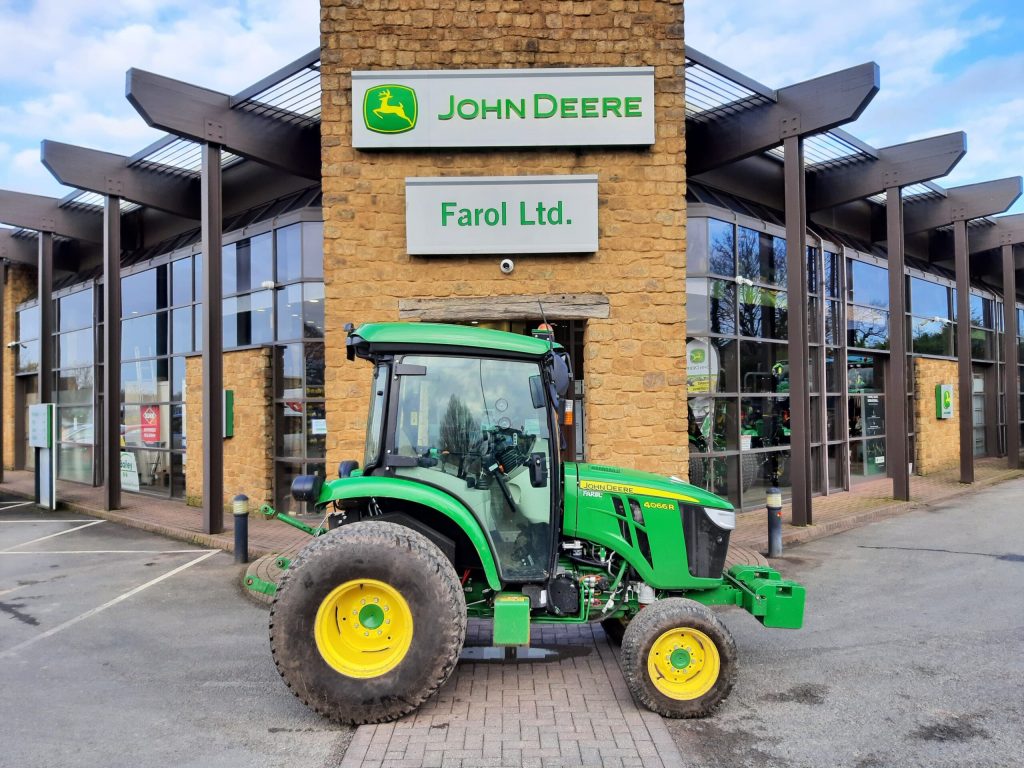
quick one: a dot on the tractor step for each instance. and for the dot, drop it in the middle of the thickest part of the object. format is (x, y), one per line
(511, 619)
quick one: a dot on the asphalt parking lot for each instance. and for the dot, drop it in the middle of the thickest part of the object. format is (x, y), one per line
(120, 647)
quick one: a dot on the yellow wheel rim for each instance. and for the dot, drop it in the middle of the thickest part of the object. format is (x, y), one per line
(684, 663)
(363, 628)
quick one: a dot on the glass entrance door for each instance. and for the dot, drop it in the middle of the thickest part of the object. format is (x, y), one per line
(866, 408)
(978, 413)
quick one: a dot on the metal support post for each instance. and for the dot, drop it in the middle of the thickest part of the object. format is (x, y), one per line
(240, 512)
(963, 349)
(111, 448)
(3, 298)
(45, 294)
(1011, 388)
(796, 285)
(213, 362)
(896, 448)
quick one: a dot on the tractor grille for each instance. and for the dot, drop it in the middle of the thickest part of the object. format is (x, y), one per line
(706, 543)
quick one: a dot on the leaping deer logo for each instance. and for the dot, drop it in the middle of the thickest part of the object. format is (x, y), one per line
(390, 109)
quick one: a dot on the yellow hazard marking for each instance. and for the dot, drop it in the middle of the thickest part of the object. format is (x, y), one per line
(632, 490)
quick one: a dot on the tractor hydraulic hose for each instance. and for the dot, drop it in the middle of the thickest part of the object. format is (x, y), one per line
(614, 588)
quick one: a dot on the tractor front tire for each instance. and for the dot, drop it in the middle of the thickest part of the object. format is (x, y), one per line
(678, 658)
(367, 622)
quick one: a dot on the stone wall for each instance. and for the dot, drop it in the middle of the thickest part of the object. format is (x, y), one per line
(936, 441)
(248, 456)
(634, 361)
(21, 286)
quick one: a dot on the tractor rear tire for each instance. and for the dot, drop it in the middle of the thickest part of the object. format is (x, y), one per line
(367, 622)
(678, 658)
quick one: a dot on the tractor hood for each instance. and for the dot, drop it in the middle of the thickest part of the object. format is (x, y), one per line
(606, 479)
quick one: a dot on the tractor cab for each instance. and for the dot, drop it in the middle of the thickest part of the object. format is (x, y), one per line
(477, 418)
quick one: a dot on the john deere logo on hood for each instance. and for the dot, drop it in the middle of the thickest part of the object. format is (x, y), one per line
(390, 109)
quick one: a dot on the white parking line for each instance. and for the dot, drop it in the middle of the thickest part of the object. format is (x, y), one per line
(111, 552)
(109, 604)
(52, 520)
(13, 505)
(52, 535)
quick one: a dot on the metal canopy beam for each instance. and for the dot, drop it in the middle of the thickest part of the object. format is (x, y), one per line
(896, 450)
(11, 252)
(213, 344)
(1009, 230)
(111, 416)
(896, 166)
(109, 174)
(806, 108)
(963, 346)
(44, 214)
(972, 201)
(206, 116)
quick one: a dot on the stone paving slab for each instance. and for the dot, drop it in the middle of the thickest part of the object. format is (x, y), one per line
(570, 712)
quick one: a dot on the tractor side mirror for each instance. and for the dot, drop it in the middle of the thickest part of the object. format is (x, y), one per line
(537, 392)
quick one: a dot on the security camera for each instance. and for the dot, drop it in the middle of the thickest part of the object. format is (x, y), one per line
(507, 265)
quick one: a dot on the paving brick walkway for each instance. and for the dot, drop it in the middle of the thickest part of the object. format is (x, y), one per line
(572, 711)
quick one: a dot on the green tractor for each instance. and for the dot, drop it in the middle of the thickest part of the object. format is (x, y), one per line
(464, 508)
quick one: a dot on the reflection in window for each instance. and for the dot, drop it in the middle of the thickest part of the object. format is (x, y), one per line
(762, 312)
(931, 337)
(75, 311)
(868, 284)
(722, 259)
(867, 328)
(761, 257)
(764, 367)
(928, 299)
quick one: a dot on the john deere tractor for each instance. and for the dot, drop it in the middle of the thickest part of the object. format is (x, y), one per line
(464, 508)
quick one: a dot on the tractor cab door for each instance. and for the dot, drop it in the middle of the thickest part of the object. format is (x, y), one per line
(480, 429)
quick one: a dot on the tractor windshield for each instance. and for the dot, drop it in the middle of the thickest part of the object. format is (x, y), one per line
(479, 429)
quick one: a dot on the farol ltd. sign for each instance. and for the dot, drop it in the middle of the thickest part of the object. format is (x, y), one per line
(501, 215)
(503, 107)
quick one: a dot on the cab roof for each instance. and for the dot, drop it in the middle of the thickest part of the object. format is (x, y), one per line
(397, 335)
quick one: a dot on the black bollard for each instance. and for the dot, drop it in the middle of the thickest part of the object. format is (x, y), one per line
(240, 511)
(774, 504)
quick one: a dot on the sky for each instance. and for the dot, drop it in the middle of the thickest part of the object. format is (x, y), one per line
(945, 66)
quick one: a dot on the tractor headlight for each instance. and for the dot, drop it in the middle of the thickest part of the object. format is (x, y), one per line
(723, 518)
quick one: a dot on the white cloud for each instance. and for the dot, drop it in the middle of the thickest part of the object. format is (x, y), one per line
(63, 64)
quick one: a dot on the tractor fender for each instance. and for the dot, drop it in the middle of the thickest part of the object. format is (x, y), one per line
(416, 493)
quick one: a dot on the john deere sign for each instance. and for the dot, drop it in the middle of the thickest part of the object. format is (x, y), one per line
(503, 108)
(501, 214)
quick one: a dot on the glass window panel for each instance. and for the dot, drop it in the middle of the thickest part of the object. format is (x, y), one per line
(199, 328)
(931, 337)
(835, 462)
(289, 312)
(312, 250)
(74, 462)
(197, 274)
(314, 371)
(764, 422)
(711, 306)
(177, 476)
(833, 379)
(229, 269)
(762, 471)
(261, 261)
(316, 437)
(313, 311)
(833, 323)
(832, 274)
(978, 311)
(181, 330)
(28, 356)
(181, 282)
(833, 418)
(696, 305)
(289, 253)
(865, 374)
(814, 320)
(177, 378)
(868, 284)
(144, 292)
(929, 299)
(28, 323)
(290, 367)
(140, 428)
(761, 257)
(284, 473)
(75, 311)
(762, 312)
(867, 415)
(713, 424)
(982, 344)
(262, 324)
(154, 468)
(718, 474)
(145, 381)
(75, 385)
(719, 374)
(764, 367)
(867, 328)
(144, 336)
(75, 349)
(722, 250)
(75, 424)
(290, 419)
